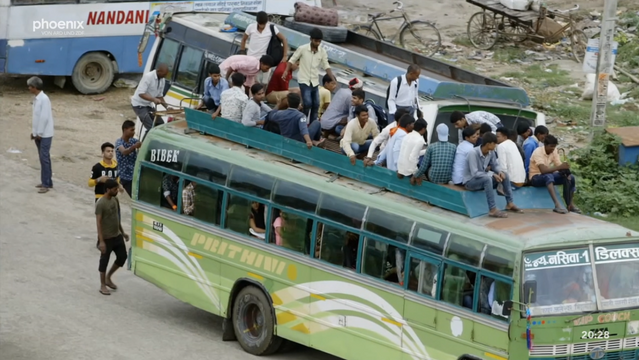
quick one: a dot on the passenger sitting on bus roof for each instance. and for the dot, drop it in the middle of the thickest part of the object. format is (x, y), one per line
(382, 139)
(382, 158)
(534, 142)
(509, 158)
(247, 66)
(278, 88)
(359, 98)
(460, 163)
(524, 131)
(255, 110)
(293, 124)
(461, 121)
(328, 86)
(336, 115)
(257, 221)
(547, 169)
(391, 151)
(232, 101)
(404, 94)
(188, 197)
(483, 128)
(260, 36)
(438, 161)
(478, 177)
(512, 135)
(412, 150)
(150, 92)
(356, 137)
(170, 191)
(214, 85)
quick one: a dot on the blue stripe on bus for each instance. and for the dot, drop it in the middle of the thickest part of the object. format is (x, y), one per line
(61, 55)
(3, 54)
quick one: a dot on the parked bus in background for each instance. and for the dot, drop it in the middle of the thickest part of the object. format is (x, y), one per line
(92, 40)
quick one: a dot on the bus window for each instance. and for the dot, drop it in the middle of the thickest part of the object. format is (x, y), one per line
(464, 250)
(246, 216)
(429, 239)
(189, 68)
(202, 202)
(422, 277)
(491, 291)
(251, 182)
(342, 211)
(168, 55)
(207, 168)
(381, 261)
(150, 186)
(388, 225)
(291, 231)
(458, 285)
(499, 260)
(296, 196)
(337, 246)
(165, 155)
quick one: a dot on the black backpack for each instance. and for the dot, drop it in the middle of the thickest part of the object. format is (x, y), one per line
(380, 112)
(275, 48)
(399, 83)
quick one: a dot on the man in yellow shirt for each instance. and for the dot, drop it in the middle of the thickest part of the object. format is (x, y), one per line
(547, 169)
(325, 93)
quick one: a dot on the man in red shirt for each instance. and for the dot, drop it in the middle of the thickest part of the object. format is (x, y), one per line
(278, 88)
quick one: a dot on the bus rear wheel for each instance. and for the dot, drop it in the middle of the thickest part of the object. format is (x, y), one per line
(93, 73)
(254, 322)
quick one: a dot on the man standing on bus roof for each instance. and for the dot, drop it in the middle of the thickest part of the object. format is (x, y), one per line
(150, 92)
(484, 173)
(261, 39)
(126, 154)
(310, 58)
(111, 236)
(247, 66)
(403, 94)
(42, 131)
(213, 87)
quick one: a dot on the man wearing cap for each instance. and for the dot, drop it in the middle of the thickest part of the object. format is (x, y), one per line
(213, 87)
(336, 115)
(438, 160)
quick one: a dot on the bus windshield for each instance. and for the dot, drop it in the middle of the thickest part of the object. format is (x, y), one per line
(564, 281)
(617, 269)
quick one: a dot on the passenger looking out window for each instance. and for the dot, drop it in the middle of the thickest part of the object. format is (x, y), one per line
(356, 137)
(257, 220)
(532, 143)
(349, 250)
(293, 124)
(462, 121)
(509, 158)
(336, 115)
(412, 150)
(232, 101)
(170, 191)
(329, 85)
(460, 163)
(438, 161)
(278, 225)
(255, 111)
(381, 140)
(484, 173)
(547, 169)
(390, 154)
(214, 85)
(188, 199)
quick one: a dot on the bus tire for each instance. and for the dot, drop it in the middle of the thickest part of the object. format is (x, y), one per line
(331, 34)
(254, 322)
(93, 73)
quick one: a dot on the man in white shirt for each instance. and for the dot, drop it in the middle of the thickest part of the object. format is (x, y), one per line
(260, 34)
(150, 92)
(394, 146)
(460, 164)
(411, 150)
(462, 121)
(356, 136)
(509, 158)
(403, 93)
(42, 131)
(382, 139)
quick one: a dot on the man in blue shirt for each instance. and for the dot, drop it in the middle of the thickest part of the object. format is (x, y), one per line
(532, 143)
(213, 87)
(484, 173)
(126, 154)
(292, 123)
(470, 136)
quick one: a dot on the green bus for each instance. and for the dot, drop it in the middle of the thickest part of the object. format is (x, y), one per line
(285, 251)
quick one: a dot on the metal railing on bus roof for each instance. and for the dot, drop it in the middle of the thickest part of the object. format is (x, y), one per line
(469, 203)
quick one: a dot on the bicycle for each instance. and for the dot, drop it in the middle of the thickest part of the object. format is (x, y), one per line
(417, 36)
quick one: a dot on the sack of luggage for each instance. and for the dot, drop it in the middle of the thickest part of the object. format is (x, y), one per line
(315, 15)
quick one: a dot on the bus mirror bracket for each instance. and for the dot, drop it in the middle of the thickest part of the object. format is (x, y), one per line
(530, 291)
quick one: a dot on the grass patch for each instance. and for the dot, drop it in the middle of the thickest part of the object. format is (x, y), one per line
(628, 222)
(542, 76)
(629, 53)
(508, 54)
(579, 111)
(463, 40)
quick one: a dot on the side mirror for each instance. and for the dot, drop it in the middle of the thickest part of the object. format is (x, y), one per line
(530, 292)
(507, 308)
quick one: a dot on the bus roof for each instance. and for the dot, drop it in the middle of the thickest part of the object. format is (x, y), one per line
(536, 229)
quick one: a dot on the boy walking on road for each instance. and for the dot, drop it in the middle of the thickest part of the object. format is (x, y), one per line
(111, 236)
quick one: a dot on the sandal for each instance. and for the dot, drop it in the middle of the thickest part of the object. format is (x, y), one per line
(111, 286)
(575, 210)
(515, 209)
(560, 210)
(498, 214)
(107, 292)
(39, 186)
(43, 190)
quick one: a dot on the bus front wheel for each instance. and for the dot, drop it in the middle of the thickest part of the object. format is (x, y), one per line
(254, 322)
(93, 73)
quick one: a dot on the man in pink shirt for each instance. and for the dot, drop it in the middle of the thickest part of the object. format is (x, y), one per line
(247, 66)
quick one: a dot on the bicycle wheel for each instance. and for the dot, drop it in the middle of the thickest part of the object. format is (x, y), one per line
(421, 37)
(366, 30)
(579, 43)
(511, 30)
(481, 30)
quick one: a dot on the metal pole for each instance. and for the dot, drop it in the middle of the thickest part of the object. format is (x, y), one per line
(604, 66)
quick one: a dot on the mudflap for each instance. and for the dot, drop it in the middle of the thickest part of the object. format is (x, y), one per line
(228, 334)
